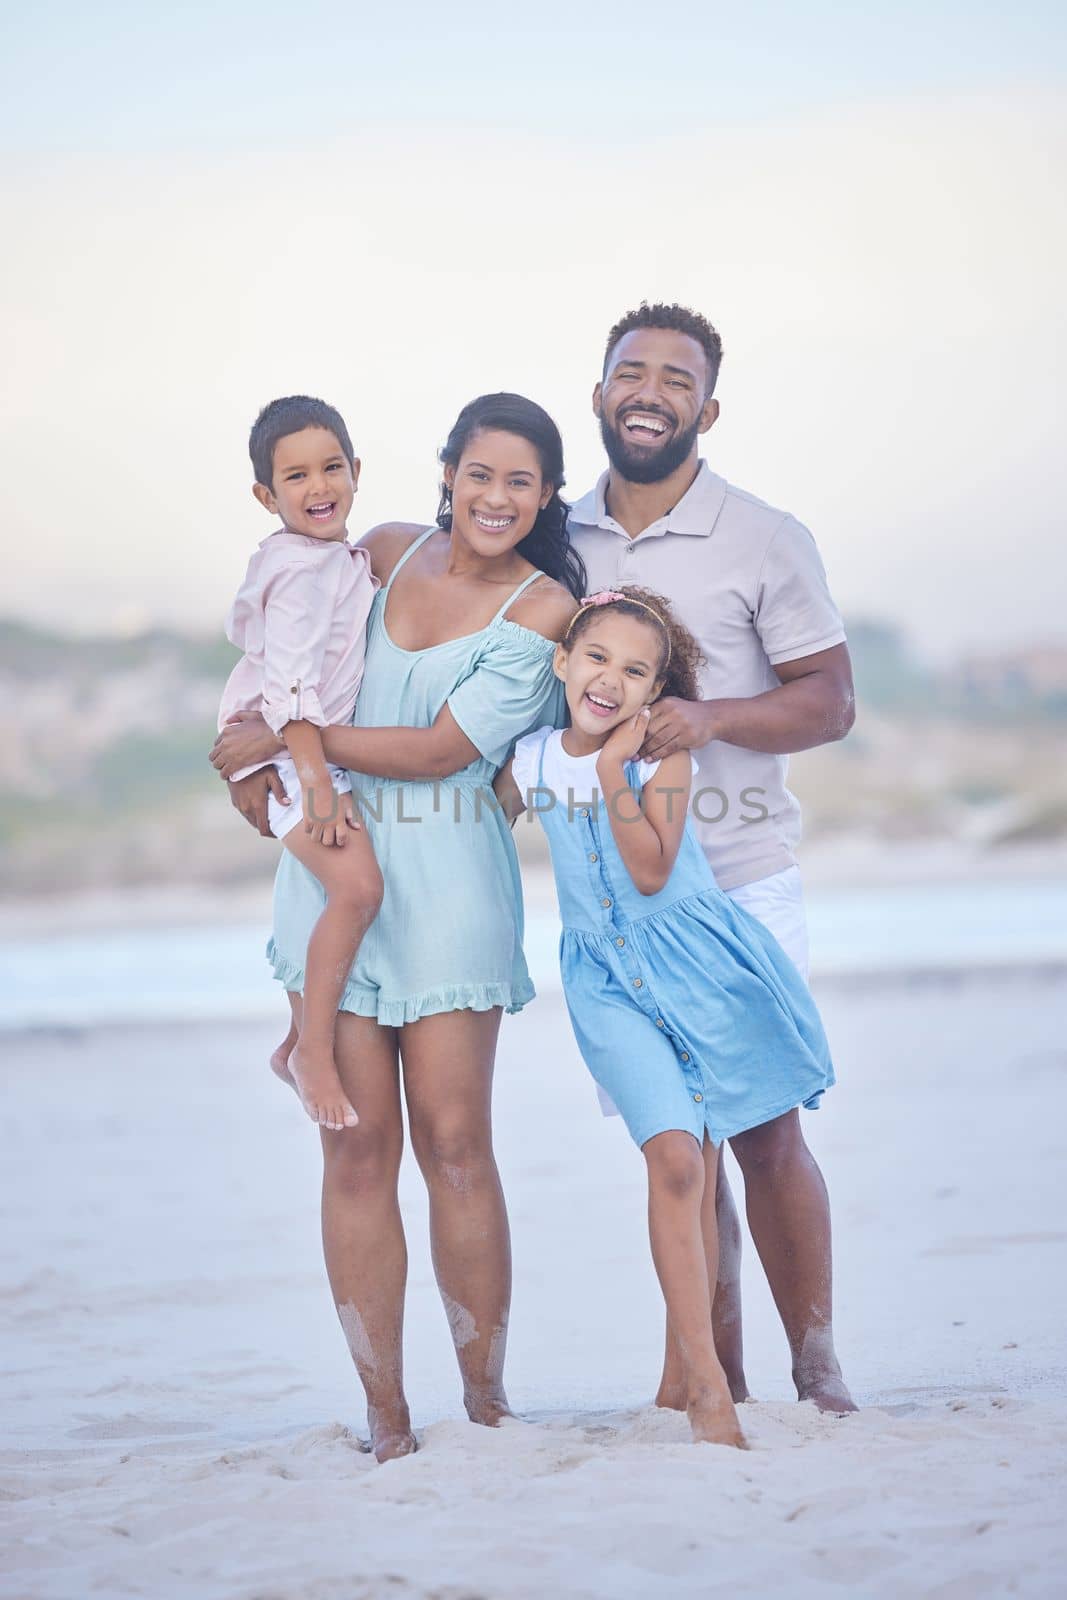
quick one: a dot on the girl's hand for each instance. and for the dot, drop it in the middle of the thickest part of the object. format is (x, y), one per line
(244, 740)
(625, 741)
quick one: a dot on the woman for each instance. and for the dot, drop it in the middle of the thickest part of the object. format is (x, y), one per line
(459, 665)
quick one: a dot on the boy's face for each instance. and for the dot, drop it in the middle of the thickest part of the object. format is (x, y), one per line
(313, 486)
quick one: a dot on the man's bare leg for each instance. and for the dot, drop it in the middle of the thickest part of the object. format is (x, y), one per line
(448, 1078)
(677, 1178)
(721, 1228)
(362, 1234)
(789, 1217)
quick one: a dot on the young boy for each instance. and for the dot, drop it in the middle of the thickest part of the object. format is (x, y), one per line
(300, 617)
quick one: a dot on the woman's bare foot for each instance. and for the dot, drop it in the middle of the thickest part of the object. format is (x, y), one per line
(390, 1431)
(713, 1419)
(489, 1410)
(321, 1095)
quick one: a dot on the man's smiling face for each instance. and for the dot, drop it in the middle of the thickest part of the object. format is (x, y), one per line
(652, 403)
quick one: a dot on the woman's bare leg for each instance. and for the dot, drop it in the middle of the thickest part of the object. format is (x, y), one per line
(721, 1228)
(789, 1218)
(362, 1235)
(448, 1080)
(676, 1183)
(350, 876)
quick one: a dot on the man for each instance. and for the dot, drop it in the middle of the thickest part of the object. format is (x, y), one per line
(748, 581)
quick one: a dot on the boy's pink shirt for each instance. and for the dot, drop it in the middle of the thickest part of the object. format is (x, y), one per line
(300, 616)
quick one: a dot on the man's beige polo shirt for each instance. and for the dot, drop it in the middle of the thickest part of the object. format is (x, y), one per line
(749, 583)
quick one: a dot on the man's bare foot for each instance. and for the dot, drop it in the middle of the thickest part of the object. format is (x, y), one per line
(390, 1432)
(713, 1419)
(826, 1390)
(489, 1410)
(316, 1082)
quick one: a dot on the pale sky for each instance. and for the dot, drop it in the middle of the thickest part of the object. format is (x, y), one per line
(207, 212)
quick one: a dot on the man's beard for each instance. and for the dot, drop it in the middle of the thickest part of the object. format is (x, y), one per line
(638, 466)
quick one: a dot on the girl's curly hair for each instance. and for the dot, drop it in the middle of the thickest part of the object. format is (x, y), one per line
(678, 648)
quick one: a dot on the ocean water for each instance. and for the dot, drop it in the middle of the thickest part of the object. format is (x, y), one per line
(192, 973)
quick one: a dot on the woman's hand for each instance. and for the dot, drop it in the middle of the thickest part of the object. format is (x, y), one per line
(250, 794)
(625, 741)
(245, 740)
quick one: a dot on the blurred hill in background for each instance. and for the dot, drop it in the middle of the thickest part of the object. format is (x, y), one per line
(107, 784)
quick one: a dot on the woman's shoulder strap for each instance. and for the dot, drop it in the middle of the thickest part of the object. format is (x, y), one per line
(515, 593)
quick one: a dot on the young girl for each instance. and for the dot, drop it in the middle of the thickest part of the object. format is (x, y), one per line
(300, 616)
(685, 1008)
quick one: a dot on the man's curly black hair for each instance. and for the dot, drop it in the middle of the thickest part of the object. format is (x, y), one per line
(680, 320)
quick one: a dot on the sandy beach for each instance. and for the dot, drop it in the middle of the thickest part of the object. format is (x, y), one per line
(181, 1419)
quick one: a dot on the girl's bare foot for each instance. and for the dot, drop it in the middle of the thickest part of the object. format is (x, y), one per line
(321, 1095)
(390, 1431)
(713, 1419)
(671, 1396)
(488, 1409)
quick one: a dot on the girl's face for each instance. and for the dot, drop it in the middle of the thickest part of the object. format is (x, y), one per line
(497, 491)
(610, 671)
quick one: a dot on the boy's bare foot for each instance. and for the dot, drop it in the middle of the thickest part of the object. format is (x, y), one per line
(321, 1095)
(826, 1390)
(713, 1419)
(390, 1432)
(489, 1410)
(279, 1061)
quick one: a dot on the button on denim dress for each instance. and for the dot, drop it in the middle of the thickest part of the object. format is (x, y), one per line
(448, 936)
(686, 1010)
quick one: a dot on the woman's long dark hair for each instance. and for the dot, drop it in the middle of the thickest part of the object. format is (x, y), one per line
(547, 545)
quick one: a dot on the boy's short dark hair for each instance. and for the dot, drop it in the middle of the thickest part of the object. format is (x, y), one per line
(291, 414)
(679, 319)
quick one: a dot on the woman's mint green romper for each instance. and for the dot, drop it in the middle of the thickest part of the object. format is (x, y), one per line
(449, 934)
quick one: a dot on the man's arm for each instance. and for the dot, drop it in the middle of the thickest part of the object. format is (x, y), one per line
(815, 705)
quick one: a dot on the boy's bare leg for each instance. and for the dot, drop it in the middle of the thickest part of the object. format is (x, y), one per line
(721, 1228)
(789, 1217)
(448, 1080)
(676, 1182)
(362, 1234)
(279, 1060)
(353, 883)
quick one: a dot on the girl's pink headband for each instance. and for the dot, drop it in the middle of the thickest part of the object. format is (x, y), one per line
(607, 597)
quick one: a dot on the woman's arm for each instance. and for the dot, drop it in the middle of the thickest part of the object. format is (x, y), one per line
(405, 753)
(649, 832)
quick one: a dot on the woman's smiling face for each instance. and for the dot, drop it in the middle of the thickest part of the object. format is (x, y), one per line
(498, 489)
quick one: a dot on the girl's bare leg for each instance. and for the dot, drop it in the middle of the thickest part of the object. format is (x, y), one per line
(721, 1228)
(353, 883)
(363, 1238)
(448, 1079)
(789, 1218)
(676, 1182)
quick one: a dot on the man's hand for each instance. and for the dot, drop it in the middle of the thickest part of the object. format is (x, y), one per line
(245, 740)
(249, 795)
(677, 725)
